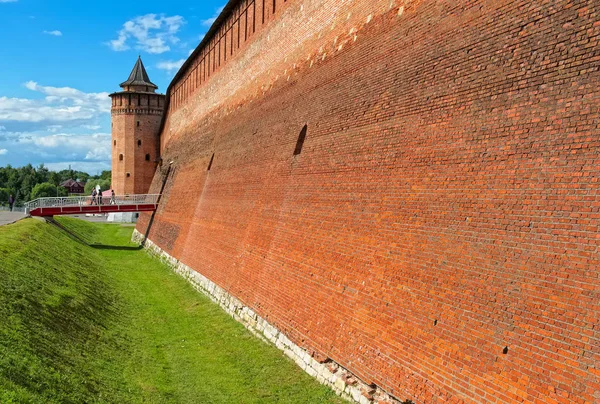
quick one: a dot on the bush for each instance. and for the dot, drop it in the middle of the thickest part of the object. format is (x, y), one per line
(47, 190)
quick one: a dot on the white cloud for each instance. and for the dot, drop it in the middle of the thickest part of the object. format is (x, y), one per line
(53, 33)
(152, 33)
(210, 21)
(170, 65)
(3, 152)
(54, 125)
(94, 147)
(25, 110)
(70, 141)
(54, 128)
(61, 104)
(88, 152)
(8, 1)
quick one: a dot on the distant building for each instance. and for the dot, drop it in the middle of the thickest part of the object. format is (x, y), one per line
(74, 187)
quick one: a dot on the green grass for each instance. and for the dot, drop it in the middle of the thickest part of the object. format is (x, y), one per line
(110, 324)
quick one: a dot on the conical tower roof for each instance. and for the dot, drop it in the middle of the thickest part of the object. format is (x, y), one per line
(139, 77)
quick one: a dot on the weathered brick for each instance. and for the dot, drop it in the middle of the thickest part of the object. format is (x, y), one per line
(444, 204)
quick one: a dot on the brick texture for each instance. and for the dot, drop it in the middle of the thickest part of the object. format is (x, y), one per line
(438, 233)
(136, 118)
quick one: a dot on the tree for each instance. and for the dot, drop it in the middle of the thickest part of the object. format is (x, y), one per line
(47, 190)
(20, 181)
(106, 175)
(54, 178)
(4, 194)
(81, 176)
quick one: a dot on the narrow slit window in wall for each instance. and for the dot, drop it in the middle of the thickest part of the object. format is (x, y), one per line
(115, 143)
(147, 157)
(128, 175)
(211, 162)
(120, 157)
(300, 142)
(138, 124)
(139, 143)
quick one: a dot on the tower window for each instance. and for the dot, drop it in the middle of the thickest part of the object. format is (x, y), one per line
(115, 143)
(147, 157)
(120, 157)
(139, 143)
(128, 175)
(138, 124)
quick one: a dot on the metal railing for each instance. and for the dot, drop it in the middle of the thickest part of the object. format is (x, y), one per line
(15, 209)
(68, 201)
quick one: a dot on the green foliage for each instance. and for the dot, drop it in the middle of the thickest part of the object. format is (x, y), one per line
(106, 175)
(108, 323)
(91, 184)
(47, 190)
(54, 178)
(21, 181)
(4, 195)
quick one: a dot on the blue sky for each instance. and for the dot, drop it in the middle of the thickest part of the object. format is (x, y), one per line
(59, 60)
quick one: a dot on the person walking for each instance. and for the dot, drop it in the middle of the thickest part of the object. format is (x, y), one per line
(99, 196)
(11, 202)
(113, 200)
(93, 197)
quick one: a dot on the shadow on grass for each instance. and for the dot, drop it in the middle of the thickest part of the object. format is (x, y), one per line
(81, 239)
(115, 247)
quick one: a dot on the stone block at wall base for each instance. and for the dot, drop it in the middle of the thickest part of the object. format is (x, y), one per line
(126, 217)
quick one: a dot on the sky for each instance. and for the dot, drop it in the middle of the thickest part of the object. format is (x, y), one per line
(60, 59)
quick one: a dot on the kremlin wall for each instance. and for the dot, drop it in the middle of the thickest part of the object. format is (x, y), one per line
(404, 192)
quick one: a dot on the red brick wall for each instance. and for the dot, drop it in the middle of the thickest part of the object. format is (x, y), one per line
(444, 206)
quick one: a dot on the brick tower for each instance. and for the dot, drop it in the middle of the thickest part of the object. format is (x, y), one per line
(136, 115)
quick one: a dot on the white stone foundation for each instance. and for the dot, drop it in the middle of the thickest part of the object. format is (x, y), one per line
(331, 374)
(123, 217)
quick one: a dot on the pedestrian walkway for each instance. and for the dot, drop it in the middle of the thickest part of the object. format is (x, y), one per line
(10, 217)
(78, 205)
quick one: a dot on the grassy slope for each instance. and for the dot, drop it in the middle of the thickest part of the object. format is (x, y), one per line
(84, 324)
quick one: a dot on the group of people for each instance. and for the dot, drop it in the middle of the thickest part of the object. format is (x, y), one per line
(97, 198)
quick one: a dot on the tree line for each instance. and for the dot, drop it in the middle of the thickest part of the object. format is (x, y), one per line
(28, 183)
